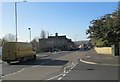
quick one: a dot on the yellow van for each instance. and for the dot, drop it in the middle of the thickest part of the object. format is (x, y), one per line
(17, 51)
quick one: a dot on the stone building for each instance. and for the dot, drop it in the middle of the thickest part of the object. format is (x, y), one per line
(55, 42)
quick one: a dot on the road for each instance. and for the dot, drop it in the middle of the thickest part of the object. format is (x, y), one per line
(45, 59)
(59, 66)
(84, 71)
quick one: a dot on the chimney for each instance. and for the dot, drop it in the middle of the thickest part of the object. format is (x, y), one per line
(56, 34)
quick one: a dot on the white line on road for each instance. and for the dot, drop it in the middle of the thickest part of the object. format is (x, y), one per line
(67, 71)
(13, 73)
(55, 76)
(18, 71)
(21, 70)
(60, 78)
(62, 74)
(87, 62)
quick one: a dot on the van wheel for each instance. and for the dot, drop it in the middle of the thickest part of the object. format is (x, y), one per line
(8, 62)
(34, 57)
(21, 60)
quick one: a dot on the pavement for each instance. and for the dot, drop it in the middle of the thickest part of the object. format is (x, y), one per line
(100, 59)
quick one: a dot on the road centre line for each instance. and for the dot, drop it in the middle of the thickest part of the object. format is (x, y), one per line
(60, 78)
(62, 74)
(55, 76)
(67, 72)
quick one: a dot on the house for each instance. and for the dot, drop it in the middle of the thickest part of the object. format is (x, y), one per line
(55, 42)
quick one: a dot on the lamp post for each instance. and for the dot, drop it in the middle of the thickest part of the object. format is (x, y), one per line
(16, 19)
(30, 33)
(16, 22)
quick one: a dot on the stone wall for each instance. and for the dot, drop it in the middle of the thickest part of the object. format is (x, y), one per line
(103, 50)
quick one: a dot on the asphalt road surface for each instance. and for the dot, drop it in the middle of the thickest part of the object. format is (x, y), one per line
(42, 59)
(58, 66)
(84, 71)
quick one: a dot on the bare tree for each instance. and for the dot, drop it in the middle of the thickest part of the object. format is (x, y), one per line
(2, 41)
(9, 38)
(47, 33)
(43, 34)
(36, 38)
(35, 44)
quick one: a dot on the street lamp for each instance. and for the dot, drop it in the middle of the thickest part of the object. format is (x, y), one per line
(16, 25)
(30, 33)
(16, 19)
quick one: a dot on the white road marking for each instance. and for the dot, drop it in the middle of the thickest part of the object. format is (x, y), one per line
(87, 62)
(13, 73)
(67, 72)
(60, 78)
(19, 71)
(55, 76)
(34, 66)
(64, 70)
(64, 75)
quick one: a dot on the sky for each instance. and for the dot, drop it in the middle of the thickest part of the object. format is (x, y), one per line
(66, 18)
